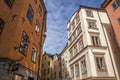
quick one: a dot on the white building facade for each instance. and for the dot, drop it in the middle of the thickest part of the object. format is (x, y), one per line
(65, 68)
(89, 49)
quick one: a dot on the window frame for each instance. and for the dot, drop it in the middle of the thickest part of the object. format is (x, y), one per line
(89, 13)
(72, 71)
(30, 14)
(95, 40)
(71, 53)
(90, 23)
(77, 70)
(75, 49)
(115, 5)
(34, 53)
(100, 56)
(83, 67)
(81, 45)
(37, 26)
(77, 18)
(9, 3)
(23, 42)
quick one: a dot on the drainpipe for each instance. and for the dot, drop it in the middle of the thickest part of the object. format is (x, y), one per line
(107, 44)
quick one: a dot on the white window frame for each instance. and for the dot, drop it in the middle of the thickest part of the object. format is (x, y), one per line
(34, 52)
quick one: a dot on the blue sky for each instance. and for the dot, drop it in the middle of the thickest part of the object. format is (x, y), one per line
(58, 14)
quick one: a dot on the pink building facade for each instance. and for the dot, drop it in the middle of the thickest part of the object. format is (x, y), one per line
(57, 67)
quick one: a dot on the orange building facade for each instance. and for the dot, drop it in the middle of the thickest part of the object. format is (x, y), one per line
(113, 10)
(22, 28)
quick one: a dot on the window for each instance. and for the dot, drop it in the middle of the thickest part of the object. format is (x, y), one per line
(54, 75)
(70, 39)
(100, 63)
(24, 43)
(42, 65)
(37, 26)
(92, 24)
(45, 57)
(48, 63)
(9, 2)
(79, 30)
(30, 14)
(34, 51)
(75, 49)
(71, 54)
(119, 21)
(77, 19)
(72, 72)
(89, 13)
(59, 74)
(73, 25)
(48, 70)
(115, 4)
(77, 70)
(40, 10)
(81, 45)
(44, 71)
(74, 35)
(83, 67)
(35, 1)
(95, 40)
(59, 63)
(2, 23)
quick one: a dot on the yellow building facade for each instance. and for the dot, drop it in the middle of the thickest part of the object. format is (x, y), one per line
(47, 67)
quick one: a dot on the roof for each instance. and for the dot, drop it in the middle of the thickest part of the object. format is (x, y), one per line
(81, 6)
(105, 3)
(50, 55)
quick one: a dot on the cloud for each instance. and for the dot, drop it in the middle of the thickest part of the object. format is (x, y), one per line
(59, 12)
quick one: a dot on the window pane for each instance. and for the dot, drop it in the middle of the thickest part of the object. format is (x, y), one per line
(40, 10)
(83, 67)
(72, 72)
(92, 24)
(77, 70)
(89, 13)
(81, 45)
(100, 64)
(96, 41)
(30, 14)
(77, 19)
(119, 21)
(24, 43)
(2, 23)
(9, 2)
(71, 54)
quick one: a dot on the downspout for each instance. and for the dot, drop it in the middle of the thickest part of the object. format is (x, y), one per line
(107, 44)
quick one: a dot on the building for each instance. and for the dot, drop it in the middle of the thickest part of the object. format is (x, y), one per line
(91, 55)
(57, 67)
(22, 27)
(65, 68)
(113, 9)
(47, 67)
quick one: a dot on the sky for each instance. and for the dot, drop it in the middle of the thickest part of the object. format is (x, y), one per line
(59, 13)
